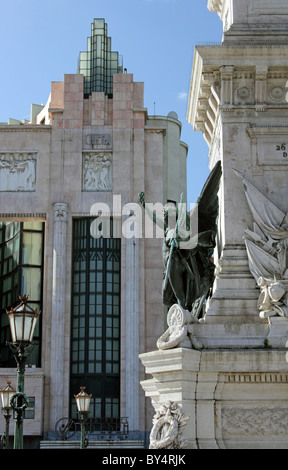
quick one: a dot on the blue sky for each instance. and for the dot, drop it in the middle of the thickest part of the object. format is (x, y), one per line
(40, 42)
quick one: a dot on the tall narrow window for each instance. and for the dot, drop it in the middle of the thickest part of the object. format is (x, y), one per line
(21, 272)
(95, 348)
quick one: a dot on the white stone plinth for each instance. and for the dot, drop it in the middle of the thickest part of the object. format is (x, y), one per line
(235, 399)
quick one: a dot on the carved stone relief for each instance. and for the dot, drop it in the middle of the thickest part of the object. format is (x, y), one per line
(244, 93)
(267, 250)
(60, 212)
(97, 172)
(254, 422)
(266, 7)
(277, 93)
(180, 332)
(243, 84)
(17, 171)
(167, 426)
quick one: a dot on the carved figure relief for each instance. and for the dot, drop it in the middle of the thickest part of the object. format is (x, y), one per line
(166, 430)
(254, 422)
(267, 249)
(60, 212)
(97, 172)
(17, 172)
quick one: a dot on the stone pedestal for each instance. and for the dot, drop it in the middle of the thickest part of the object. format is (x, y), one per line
(235, 399)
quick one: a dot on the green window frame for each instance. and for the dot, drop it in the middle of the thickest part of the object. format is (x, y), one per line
(21, 272)
(95, 320)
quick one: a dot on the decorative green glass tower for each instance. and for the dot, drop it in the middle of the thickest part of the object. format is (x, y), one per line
(99, 63)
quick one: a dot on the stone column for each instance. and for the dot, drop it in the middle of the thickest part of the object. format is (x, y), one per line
(58, 312)
(132, 332)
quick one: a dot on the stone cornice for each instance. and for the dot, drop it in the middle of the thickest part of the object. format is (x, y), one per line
(22, 216)
(25, 128)
(140, 110)
(243, 54)
(258, 130)
(155, 130)
(256, 80)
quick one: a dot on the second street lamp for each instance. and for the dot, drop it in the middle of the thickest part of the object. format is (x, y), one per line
(23, 320)
(83, 403)
(6, 395)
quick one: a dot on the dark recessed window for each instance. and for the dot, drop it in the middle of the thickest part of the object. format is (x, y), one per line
(95, 321)
(21, 273)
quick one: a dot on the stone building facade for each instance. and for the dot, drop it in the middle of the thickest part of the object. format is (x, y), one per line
(73, 170)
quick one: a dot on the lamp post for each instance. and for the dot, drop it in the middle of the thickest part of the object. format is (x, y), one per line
(22, 320)
(83, 403)
(6, 394)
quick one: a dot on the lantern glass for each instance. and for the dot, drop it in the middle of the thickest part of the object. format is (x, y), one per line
(23, 320)
(83, 401)
(6, 394)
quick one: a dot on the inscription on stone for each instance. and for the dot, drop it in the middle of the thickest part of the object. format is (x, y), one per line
(282, 148)
(273, 153)
(97, 141)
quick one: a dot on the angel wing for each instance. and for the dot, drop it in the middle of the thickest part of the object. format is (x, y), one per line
(208, 204)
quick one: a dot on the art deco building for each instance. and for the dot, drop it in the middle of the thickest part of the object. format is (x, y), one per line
(66, 176)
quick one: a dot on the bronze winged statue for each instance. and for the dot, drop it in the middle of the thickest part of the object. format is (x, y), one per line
(189, 271)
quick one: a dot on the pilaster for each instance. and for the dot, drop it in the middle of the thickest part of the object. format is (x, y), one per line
(58, 311)
(132, 331)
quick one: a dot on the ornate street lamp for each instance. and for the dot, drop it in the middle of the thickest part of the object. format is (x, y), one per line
(23, 320)
(83, 403)
(6, 394)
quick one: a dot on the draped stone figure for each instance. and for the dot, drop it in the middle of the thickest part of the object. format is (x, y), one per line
(267, 249)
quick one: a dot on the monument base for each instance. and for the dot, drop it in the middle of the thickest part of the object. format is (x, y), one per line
(272, 333)
(235, 399)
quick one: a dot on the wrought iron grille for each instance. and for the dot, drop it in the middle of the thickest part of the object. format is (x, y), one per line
(104, 428)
